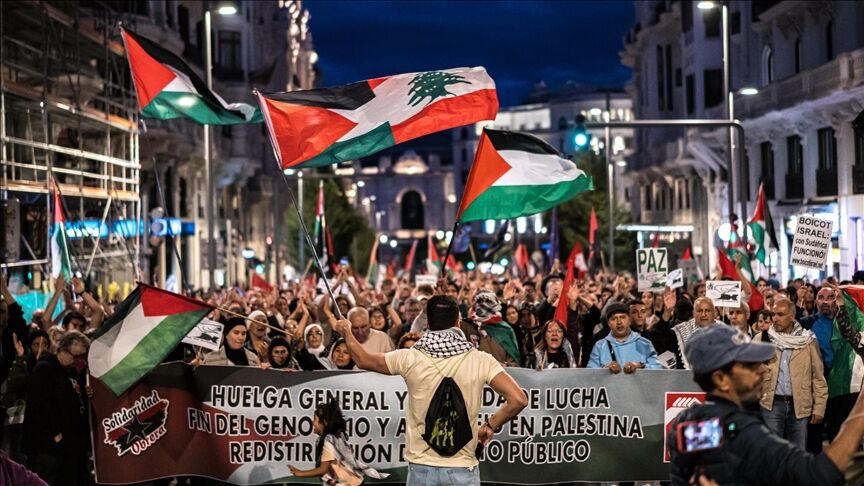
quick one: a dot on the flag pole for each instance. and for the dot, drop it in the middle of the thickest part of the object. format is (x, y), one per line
(443, 269)
(303, 228)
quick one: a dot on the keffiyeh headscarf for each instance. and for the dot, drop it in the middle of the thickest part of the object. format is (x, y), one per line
(486, 306)
(444, 344)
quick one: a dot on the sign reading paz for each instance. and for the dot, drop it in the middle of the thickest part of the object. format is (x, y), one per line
(652, 266)
(724, 293)
(812, 242)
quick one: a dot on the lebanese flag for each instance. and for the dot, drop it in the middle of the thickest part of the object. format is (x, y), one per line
(517, 174)
(168, 88)
(326, 126)
(761, 225)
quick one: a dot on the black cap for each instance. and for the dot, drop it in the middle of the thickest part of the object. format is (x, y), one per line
(616, 308)
(716, 346)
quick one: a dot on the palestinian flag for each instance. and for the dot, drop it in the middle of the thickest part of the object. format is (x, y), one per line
(168, 88)
(60, 263)
(593, 242)
(516, 174)
(762, 225)
(433, 261)
(321, 234)
(572, 266)
(409, 260)
(847, 372)
(326, 126)
(140, 333)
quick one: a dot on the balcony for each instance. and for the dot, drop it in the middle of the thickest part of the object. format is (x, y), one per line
(794, 186)
(858, 179)
(826, 182)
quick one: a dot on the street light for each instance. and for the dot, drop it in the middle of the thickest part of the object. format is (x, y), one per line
(748, 91)
(705, 5)
(227, 10)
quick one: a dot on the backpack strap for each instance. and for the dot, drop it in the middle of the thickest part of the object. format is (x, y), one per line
(611, 350)
(464, 355)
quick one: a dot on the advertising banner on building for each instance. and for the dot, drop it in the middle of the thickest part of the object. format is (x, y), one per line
(247, 425)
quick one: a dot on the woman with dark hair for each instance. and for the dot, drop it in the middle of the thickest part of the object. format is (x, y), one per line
(233, 351)
(334, 460)
(279, 355)
(531, 334)
(339, 357)
(555, 350)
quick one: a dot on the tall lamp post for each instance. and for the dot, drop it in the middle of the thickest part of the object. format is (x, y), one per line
(208, 169)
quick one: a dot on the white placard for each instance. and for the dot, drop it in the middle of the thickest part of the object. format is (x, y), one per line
(652, 266)
(724, 293)
(675, 279)
(207, 334)
(811, 243)
(426, 280)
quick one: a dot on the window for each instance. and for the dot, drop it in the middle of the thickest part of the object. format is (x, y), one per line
(858, 127)
(679, 189)
(827, 148)
(661, 88)
(766, 152)
(678, 77)
(797, 55)
(649, 196)
(229, 50)
(669, 105)
(412, 211)
(711, 20)
(829, 41)
(795, 155)
(686, 16)
(735, 21)
(183, 23)
(767, 66)
(713, 87)
(691, 94)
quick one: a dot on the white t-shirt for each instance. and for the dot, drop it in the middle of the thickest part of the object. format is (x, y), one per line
(422, 378)
(377, 342)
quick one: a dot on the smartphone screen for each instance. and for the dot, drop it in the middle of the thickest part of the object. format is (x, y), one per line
(700, 436)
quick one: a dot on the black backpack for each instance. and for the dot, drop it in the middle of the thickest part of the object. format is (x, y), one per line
(448, 428)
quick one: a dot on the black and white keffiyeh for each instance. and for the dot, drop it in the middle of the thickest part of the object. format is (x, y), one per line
(444, 344)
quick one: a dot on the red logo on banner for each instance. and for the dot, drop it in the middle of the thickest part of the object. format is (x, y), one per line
(138, 427)
(677, 402)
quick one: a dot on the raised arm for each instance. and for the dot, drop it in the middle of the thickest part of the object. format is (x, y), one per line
(59, 289)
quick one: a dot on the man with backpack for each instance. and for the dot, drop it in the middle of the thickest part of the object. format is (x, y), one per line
(445, 377)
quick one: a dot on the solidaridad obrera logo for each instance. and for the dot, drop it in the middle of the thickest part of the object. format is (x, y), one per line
(138, 427)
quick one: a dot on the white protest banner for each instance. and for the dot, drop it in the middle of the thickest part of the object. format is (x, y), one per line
(690, 269)
(724, 293)
(811, 243)
(652, 267)
(207, 334)
(426, 280)
(675, 279)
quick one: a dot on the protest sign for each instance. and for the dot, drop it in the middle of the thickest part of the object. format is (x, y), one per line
(690, 269)
(245, 425)
(207, 334)
(675, 279)
(431, 280)
(811, 243)
(724, 293)
(651, 268)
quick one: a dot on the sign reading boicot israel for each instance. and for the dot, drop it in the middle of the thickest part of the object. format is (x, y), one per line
(246, 425)
(811, 243)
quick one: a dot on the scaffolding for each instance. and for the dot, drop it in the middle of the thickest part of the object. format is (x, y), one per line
(68, 114)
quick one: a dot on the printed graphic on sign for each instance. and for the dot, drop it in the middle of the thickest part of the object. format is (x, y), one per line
(675, 279)
(207, 334)
(675, 404)
(430, 280)
(724, 293)
(652, 268)
(811, 243)
(138, 427)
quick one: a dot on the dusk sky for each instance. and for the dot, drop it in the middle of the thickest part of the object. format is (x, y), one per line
(519, 42)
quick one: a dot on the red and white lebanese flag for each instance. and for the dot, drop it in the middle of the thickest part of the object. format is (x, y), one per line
(326, 126)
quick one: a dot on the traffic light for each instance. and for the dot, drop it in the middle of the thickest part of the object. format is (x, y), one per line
(581, 137)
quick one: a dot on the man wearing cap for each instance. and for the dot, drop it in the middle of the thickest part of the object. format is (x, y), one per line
(730, 369)
(704, 316)
(623, 349)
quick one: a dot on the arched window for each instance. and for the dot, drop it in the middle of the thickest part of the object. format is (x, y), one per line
(767, 66)
(412, 211)
(829, 41)
(797, 55)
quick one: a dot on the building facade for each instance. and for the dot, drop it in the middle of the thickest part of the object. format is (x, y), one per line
(803, 130)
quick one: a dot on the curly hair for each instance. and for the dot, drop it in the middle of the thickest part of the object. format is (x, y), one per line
(408, 336)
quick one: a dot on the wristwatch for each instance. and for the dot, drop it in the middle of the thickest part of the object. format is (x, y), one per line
(494, 429)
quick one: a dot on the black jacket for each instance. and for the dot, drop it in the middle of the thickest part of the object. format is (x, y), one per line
(55, 405)
(750, 453)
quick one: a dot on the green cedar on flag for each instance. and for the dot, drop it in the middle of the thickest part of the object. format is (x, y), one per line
(168, 88)
(847, 370)
(60, 263)
(762, 225)
(516, 174)
(140, 333)
(318, 127)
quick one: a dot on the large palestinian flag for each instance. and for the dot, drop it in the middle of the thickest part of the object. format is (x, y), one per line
(330, 125)
(140, 333)
(847, 371)
(516, 174)
(168, 88)
(762, 227)
(60, 263)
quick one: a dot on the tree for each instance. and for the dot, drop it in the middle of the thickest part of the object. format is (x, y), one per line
(350, 232)
(574, 217)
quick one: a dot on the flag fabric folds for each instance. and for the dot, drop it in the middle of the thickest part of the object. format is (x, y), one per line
(168, 88)
(593, 242)
(761, 226)
(60, 263)
(326, 126)
(516, 174)
(573, 264)
(321, 233)
(141, 332)
(846, 371)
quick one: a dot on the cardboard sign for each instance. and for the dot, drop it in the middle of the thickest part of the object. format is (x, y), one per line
(652, 267)
(691, 270)
(431, 280)
(675, 279)
(207, 334)
(811, 243)
(724, 293)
